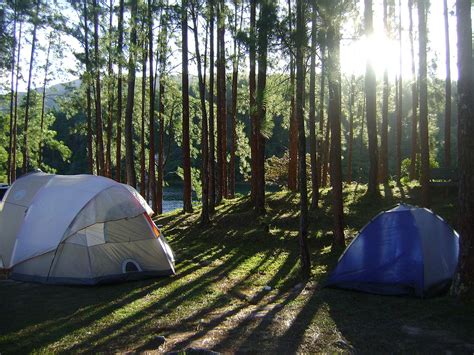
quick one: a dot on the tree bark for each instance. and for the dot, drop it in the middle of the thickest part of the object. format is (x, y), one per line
(212, 158)
(98, 103)
(129, 150)
(15, 113)
(293, 131)
(253, 99)
(371, 106)
(424, 139)
(386, 92)
(187, 198)
(43, 98)
(108, 156)
(300, 92)
(351, 130)
(204, 133)
(400, 99)
(447, 103)
(28, 91)
(12, 94)
(142, 125)
(322, 168)
(414, 100)
(312, 110)
(464, 279)
(334, 119)
(156, 203)
(118, 157)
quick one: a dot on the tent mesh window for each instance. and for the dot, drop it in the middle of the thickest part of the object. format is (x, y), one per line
(130, 266)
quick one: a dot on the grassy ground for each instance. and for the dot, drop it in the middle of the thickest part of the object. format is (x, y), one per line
(218, 299)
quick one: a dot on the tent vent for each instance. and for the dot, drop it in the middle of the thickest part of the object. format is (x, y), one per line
(130, 265)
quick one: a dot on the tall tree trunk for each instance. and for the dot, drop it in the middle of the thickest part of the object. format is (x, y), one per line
(386, 92)
(253, 98)
(334, 119)
(15, 110)
(118, 157)
(324, 144)
(414, 100)
(204, 133)
(156, 205)
(221, 106)
(351, 130)
(424, 139)
(293, 131)
(129, 151)
(464, 280)
(212, 158)
(12, 93)
(400, 98)
(43, 98)
(98, 103)
(28, 90)
(90, 152)
(235, 68)
(108, 157)
(187, 201)
(300, 92)
(142, 126)
(447, 103)
(262, 38)
(371, 106)
(312, 110)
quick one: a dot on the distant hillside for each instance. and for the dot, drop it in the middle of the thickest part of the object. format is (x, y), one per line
(53, 93)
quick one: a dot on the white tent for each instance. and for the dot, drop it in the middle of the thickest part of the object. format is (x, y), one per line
(79, 229)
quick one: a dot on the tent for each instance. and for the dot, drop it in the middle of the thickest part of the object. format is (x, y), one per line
(79, 229)
(406, 250)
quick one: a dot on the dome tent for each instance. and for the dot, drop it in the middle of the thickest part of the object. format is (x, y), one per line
(406, 250)
(79, 229)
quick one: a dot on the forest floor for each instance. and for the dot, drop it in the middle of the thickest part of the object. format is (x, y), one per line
(218, 299)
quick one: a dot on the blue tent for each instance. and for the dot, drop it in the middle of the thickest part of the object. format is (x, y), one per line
(406, 250)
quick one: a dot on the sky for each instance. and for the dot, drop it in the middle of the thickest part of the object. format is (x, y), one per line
(353, 53)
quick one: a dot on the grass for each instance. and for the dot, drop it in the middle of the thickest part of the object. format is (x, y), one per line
(218, 298)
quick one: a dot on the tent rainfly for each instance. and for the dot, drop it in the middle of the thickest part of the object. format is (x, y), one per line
(79, 229)
(404, 251)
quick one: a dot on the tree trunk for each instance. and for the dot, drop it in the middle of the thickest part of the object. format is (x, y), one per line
(312, 110)
(293, 131)
(187, 200)
(204, 133)
(414, 100)
(12, 93)
(300, 88)
(322, 144)
(90, 152)
(15, 113)
(351, 129)
(28, 90)
(108, 157)
(129, 151)
(98, 103)
(447, 103)
(263, 29)
(156, 205)
(334, 118)
(253, 99)
(235, 69)
(43, 98)
(221, 106)
(464, 280)
(424, 139)
(142, 126)
(118, 157)
(386, 92)
(400, 100)
(371, 106)
(212, 158)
